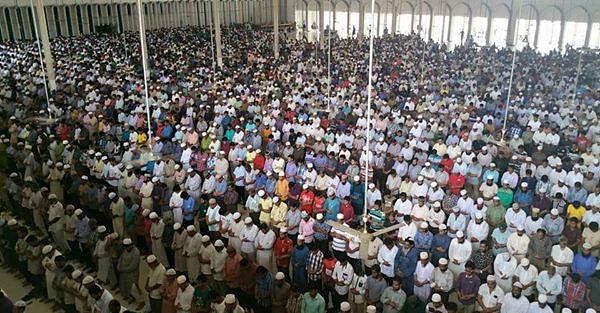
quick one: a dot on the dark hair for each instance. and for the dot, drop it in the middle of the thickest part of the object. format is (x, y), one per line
(470, 265)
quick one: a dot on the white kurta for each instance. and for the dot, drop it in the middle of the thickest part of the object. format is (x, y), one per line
(158, 248)
(264, 249)
(423, 274)
(384, 256)
(504, 271)
(191, 248)
(458, 254)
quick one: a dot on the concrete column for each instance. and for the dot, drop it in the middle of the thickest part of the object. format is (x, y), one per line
(469, 26)
(15, 23)
(378, 21)
(95, 18)
(510, 31)
(537, 32)
(51, 27)
(394, 25)
(26, 26)
(45, 39)
(62, 17)
(430, 26)
(588, 32)
(348, 30)
(321, 22)
(488, 31)
(361, 21)
(561, 37)
(217, 25)
(449, 27)
(276, 28)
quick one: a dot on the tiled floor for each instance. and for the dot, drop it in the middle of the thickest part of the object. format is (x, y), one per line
(13, 287)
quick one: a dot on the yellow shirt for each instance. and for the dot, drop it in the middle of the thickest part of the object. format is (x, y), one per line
(266, 205)
(578, 212)
(282, 189)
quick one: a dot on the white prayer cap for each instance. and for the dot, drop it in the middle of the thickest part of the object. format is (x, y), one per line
(587, 246)
(84, 177)
(145, 212)
(443, 227)
(455, 209)
(490, 278)
(176, 226)
(154, 179)
(423, 255)
(261, 193)
(279, 276)
(356, 178)
(205, 238)
(463, 192)
(153, 215)
(171, 272)
(248, 220)
(492, 165)
(51, 196)
(436, 297)
(101, 229)
(76, 274)
(371, 309)
(283, 230)
(371, 185)
(127, 241)
(309, 165)
(46, 249)
(12, 222)
(443, 261)
(478, 215)
(319, 216)
(230, 298)
(460, 234)
(590, 310)
(566, 310)
(181, 279)
(542, 298)
(518, 285)
(424, 225)
(520, 228)
(190, 228)
(300, 237)
(151, 258)
(189, 170)
(104, 158)
(88, 280)
(112, 195)
(490, 177)
(305, 186)
(437, 204)
(236, 215)
(345, 307)
(434, 184)
(218, 243)
(340, 216)
(524, 262)
(276, 199)
(420, 178)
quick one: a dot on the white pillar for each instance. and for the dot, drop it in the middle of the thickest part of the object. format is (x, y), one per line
(217, 25)
(276, 28)
(45, 39)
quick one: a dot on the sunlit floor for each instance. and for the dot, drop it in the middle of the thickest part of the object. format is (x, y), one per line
(16, 288)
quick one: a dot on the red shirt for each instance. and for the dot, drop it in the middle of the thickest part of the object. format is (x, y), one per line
(348, 211)
(307, 198)
(447, 165)
(283, 246)
(456, 182)
(259, 162)
(319, 205)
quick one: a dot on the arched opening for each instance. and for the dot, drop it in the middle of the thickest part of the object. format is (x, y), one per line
(405, 18)
(313, 20)
(549, 35)
(11, 34)
(341, 18)
(479, 29)
(354, 23)
(576, 28)
(90, 18)
(424, 20)
(20, 22)
(501, 16)
(461, 14)
(69, 25)
(79, 19)
(527, 27)
(32, 25)
(56, 21)
(371, 21)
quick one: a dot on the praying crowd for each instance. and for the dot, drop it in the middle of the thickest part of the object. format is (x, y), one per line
(266, 187)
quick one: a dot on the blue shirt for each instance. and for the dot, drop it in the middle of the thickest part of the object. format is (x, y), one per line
(332, 208)
(188, 208)
(440, 241)
(523, 197)
(323, 226)
(423, 241)
(584, 265)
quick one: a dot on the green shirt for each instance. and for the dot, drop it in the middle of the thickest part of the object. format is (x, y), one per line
(396, 297)
(313, 305)
(506, 197)
(495, 215)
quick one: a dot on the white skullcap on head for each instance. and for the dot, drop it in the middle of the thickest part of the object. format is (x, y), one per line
(340, 216)
(248, 220)
(112, 195)
(443, 261)
(436, 297)
(319, 216)
(542, 298)
(345, 307)
(176, 226)
(151, 258)
(12, 222)
(524, 262)
(101, 229)
(218, 243)
(230, 298)
(463, 192)
(205, 238)
(279, 276)
(356, 178)
(478, 215)
(191, 228)
(371, 309)
(153, 215)
(46, 249)
(518, 285)
(261, 193)
(88, 280)
(300, 237)
(423, 255)
(443, 226)
(236, 215)
(566, 310)
(127, 241)
(76, 274)
(371, 185)
(460, 234)
(283, 230)
(181, 279)
(171, 272)
(145, 212)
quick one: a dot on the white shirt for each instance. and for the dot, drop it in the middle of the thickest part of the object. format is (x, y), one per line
(513, 305)
(247, 236)
(517, 244)
(342, 273)
(387, 255)
(490, 298)
(460, 252)
(184, 298)
(526, 276)
(534, 307)
(424, 273)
